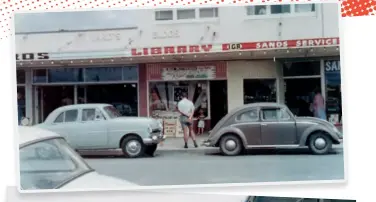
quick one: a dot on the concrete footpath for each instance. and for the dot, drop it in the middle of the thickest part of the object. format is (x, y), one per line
(174, 144)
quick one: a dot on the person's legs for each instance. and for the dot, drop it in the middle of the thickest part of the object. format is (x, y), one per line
(186, 135)
(185, 131)
(193, 135)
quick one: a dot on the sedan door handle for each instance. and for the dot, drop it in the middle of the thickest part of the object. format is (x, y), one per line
(264, 124)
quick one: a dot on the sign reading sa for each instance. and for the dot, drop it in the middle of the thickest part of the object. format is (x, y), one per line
(32, 56)
(332, 66)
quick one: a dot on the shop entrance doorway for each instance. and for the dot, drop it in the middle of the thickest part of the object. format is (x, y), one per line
(299, 93)
(218, 101)
(52, 97)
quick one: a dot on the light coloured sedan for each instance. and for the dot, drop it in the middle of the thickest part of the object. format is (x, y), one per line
(48, 162)
(100, 126)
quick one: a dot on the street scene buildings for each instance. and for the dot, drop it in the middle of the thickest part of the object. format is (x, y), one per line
(221, 57)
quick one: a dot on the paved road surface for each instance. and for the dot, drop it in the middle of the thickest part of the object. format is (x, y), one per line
(178, 168)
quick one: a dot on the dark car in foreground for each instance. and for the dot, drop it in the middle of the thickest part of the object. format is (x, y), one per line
(271, 125)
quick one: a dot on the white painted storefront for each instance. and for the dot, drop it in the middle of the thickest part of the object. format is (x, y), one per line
(253, 47)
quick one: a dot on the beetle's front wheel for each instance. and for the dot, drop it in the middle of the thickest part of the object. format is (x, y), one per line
(320, 143)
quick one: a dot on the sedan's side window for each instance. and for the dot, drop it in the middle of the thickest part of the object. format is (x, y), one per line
(91, 115)
(60, 118)
(71, 116)
(248, 116)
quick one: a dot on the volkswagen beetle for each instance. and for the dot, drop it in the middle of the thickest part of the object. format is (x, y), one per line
(271, 125)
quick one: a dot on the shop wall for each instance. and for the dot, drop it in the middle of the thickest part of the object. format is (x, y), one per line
(232, 25)
(237, 71)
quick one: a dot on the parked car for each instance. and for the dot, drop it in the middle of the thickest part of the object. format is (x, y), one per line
(271, 125)
(48, 162)
(100, 126)
(291, 199)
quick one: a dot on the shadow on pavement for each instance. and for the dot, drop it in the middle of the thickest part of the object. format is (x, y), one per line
(299, 151)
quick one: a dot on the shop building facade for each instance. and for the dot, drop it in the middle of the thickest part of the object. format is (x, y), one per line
(214, 54)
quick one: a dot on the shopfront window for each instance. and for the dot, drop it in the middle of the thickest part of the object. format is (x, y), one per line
(97, 74)
(40, 76)
(259, 90)
(20, 76)
(164, 96)
(21, 104)
(304, 68)
(333, 90)
(61, 75)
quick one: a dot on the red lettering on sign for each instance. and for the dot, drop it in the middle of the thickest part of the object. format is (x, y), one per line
(182, 49)
(194, 49)
(169, 49)
(134, 52)
(156, 50)
(146, 51)
(207, 48)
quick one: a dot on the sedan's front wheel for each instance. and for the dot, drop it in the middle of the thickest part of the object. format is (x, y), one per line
(133, 147)
(320, 143)
(230, 145)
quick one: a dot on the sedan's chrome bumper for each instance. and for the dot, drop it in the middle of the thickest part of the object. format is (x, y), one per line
(155, 139)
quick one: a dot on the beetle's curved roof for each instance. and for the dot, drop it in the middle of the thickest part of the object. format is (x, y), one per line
(259, 104)
(28, 134)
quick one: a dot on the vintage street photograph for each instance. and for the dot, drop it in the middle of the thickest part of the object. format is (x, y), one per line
(111, 99)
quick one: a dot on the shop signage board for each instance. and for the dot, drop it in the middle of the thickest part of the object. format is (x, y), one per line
(266, 45)
(191, 73)
(332, 66)
(181, 49)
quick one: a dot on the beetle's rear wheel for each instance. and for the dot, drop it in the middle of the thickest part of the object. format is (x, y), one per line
(230, 145)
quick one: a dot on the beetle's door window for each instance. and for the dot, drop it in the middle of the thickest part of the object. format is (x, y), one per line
(248, 116)
(275, 114)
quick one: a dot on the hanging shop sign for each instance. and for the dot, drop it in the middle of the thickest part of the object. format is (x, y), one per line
(191, 73)
(32, 56)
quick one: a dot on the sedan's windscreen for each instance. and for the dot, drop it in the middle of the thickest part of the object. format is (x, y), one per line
(48, 164)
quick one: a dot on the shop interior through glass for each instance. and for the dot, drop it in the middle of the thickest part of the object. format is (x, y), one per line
(299, 94)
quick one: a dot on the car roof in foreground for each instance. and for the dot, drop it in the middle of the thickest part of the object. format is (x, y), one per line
(260, 104)
(74, 106)
(29, 134)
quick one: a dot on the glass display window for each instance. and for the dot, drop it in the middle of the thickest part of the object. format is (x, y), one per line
(164, 97)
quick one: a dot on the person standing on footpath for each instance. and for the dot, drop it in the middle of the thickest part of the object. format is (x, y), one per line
(186, 109)
(319, 105)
